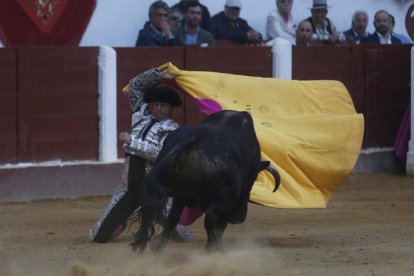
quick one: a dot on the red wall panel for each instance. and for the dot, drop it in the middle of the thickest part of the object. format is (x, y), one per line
(376, 76)
(58, 109)
(8, 106)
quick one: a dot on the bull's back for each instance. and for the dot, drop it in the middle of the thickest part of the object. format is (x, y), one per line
(223, 141)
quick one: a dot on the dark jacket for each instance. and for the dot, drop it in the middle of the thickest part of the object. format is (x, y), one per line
(204, 37)
(351, 34)
(205, 14)
(149, 37)
(374, 39)
(222, 28)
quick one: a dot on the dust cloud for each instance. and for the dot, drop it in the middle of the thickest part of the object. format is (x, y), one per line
(246, 259)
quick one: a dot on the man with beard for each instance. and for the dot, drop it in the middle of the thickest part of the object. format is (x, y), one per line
(382, 33)
(191, 33)
(303, 33)
(205, 13)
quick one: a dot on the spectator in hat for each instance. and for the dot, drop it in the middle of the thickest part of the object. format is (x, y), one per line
(322, 27)
(358, 28)
(382, 33)
(280, 22)
(152, 105)
(228, 25)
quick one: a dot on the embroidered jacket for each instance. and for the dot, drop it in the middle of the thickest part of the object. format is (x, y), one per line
(149, 146)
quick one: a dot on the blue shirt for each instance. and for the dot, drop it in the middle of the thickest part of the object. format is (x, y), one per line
(191, 39)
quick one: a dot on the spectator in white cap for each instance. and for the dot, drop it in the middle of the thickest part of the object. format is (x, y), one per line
(228, 25)
(322, 27)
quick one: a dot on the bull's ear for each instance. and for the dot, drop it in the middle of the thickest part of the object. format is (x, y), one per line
(264, 165)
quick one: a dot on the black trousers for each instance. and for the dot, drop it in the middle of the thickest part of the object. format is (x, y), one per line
(135, 196)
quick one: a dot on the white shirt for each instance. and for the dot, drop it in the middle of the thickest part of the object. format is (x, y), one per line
(276, 26)
(384, 39)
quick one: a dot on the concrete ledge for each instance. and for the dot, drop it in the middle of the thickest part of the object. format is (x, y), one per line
(379, 160)
(71, 180)
(53, 182)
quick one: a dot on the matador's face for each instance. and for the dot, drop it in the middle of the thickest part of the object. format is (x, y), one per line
(160, 111)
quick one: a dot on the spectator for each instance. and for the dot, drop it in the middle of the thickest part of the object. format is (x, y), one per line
(157, 32)
(303, 33)
(191, 33)
(228, 25)
(280, 22)
(205, 14)
(175, 19)
(322, 27)
(404, 39)
(358, 27)
(382, 30)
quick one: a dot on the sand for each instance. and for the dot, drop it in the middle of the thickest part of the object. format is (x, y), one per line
(367, 229)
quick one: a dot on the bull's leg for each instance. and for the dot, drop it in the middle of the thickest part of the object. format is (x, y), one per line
(159, 243)
(209, 225)
(215, 228)
(220, 227)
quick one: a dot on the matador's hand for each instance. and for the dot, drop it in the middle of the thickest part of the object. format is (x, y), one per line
(125, 137)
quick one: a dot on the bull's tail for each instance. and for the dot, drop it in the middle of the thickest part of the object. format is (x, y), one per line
(147, 217)
(266, 165)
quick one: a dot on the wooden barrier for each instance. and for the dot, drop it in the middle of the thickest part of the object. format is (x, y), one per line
(48, 96)
(8, 106)
(377, 77)
(49, 104)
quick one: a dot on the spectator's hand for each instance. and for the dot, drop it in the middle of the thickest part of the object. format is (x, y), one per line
(333, 38)
(166, 27)
(125, 137)
(254, 36)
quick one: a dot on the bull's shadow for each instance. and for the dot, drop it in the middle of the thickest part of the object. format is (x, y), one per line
(213, 166)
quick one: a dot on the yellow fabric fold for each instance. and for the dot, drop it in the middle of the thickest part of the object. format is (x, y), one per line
(308, 129)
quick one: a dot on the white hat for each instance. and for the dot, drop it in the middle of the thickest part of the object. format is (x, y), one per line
(319, 4)
(233, 4)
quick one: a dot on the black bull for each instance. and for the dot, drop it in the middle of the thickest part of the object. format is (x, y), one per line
(213, 166)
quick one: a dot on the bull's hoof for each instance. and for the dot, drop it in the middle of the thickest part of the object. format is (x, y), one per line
(158, 244)
(214, 248)
(138, 247)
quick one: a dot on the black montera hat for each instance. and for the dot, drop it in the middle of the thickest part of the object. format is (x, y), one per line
(163, 94)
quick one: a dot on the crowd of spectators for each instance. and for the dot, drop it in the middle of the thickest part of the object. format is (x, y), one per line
(189, 23)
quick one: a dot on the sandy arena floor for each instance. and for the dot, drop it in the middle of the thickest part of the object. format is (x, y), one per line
(368, 229)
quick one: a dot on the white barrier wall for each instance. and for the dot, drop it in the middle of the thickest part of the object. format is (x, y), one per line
(108, 151)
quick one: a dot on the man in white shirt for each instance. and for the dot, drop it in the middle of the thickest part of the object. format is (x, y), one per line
(382, 33)
(280, 22)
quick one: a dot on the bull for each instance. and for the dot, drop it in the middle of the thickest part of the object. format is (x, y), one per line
(213, 166)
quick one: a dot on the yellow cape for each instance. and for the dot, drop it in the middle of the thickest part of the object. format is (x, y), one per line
(308, 129)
